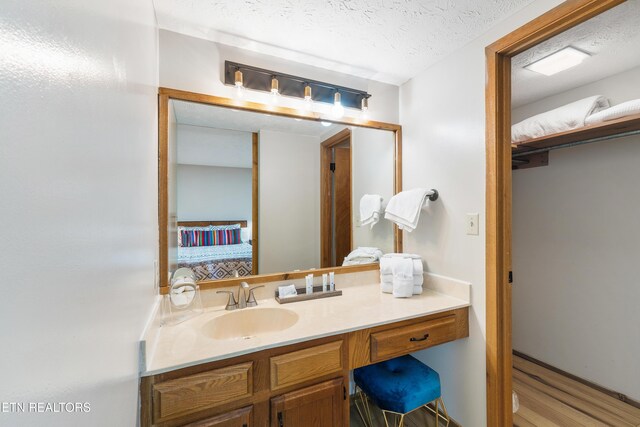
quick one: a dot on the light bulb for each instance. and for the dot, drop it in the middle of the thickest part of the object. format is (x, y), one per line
(239, 91)
(239, 81)
(325, 124)
(364, 115)
(338, 110)
(308, 100)
(275, 94)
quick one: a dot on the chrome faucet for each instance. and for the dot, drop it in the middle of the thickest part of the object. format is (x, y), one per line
(243, 300)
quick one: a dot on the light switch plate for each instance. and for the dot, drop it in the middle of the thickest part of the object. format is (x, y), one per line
(473, 226)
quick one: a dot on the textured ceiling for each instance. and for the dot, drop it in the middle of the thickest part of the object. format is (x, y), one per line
(613, 40)
(384, 40)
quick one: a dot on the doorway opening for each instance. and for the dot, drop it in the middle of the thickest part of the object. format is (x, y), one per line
(499, 187)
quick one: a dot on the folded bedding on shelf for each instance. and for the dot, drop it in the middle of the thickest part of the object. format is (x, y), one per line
(628, 108)
(567, 117)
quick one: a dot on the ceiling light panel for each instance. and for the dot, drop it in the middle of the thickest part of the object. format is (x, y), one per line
(558, 61)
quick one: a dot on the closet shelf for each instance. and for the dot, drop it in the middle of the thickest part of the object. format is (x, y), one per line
(535, 152)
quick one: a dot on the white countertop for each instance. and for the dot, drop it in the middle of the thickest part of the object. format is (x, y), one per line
(360, 306)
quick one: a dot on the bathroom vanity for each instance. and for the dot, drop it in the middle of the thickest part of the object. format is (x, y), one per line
(288, 365)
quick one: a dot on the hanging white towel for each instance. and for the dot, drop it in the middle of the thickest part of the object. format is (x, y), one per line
(404, 208)
(370, 207)
(403, 278)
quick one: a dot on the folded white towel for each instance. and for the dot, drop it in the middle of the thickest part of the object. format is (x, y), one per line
(287, 291)
(567, 117)
(617, 111)
(363, 255)
(404, 208)
(387, 288)
(370, 207)
(401, 255)
(402, 288)
(403, 278)
(418, 279)
(388, 260)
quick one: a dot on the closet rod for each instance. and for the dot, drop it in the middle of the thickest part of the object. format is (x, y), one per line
(574, 144)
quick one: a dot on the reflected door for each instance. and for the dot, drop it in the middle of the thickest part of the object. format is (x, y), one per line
(341, 203)
(336, 235)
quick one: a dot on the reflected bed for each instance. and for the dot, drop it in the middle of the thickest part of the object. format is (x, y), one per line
(218, 261)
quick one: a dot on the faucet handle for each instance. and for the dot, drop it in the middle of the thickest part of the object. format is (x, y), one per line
(251, 299)
(231, 302)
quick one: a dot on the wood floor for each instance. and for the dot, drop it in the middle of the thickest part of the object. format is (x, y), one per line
(548, 398)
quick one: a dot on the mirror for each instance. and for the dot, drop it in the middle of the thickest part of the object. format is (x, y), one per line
(256, 193)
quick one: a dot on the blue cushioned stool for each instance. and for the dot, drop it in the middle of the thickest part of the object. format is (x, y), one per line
(399, 386)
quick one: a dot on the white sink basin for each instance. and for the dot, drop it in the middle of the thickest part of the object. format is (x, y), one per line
(249, 322)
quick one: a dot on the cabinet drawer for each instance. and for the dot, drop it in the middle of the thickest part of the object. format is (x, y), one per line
(406, 339)
(238, 418)
(200, 391)
(303, 365)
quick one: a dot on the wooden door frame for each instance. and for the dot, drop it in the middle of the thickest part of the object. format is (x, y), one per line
(325, 195)
(498, 190)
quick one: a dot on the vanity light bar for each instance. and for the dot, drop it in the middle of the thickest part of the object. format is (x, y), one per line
(298, 87)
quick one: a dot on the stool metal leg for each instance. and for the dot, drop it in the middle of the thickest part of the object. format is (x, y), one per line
(365, 407)
(444, 410)
(399, 419)
(437, 414)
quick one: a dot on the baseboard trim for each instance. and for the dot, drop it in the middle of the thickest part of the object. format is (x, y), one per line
(616, 395)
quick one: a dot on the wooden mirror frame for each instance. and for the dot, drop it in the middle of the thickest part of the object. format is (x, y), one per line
(167, 94)
(498, 190)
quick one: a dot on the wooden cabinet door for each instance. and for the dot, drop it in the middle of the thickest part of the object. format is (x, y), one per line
(320, 405)
(238, 418)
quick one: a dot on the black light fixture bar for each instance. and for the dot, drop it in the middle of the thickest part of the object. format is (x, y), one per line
(260, 79)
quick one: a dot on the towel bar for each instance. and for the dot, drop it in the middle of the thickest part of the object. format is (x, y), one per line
(433, 195)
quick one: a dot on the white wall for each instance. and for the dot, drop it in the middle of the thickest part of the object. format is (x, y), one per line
(575, 248)
(214, 193)
(372, 172)
(289, 202)
(200, 145)
(197, 65)
(443, 118)
(79, 205)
